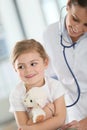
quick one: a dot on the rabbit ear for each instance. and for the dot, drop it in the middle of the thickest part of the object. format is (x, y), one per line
(27, 95)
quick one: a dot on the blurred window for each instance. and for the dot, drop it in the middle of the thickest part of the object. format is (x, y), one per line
(3, 44)
(51, 9)
(8, 77)
(7, 74)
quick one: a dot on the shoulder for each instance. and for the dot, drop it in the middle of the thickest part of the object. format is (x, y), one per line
(54, 83)
(51, 28)
(56, 88)
(50, 35)
(16, 98)
(52, 80)
(18, 90)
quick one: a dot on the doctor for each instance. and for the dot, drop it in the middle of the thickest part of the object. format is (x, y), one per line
(66, 43)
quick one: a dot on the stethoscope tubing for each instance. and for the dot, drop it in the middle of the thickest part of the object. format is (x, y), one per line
(77, 84)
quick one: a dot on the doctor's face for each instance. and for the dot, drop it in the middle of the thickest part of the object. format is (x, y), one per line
(76, 21)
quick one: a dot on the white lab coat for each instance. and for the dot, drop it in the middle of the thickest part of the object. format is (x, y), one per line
(77, 59)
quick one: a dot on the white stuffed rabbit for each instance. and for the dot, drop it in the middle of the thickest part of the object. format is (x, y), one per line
(34, 100)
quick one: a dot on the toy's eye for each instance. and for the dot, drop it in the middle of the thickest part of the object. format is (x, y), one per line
(31, 101)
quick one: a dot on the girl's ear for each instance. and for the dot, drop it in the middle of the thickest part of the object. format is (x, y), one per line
(46, 62)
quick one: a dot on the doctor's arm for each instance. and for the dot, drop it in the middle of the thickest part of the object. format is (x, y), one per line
(55, 121)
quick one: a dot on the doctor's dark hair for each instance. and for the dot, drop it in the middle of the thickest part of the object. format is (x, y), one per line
(26, 46)
(82, 3)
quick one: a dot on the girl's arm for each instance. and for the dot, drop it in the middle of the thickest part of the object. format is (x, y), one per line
(54, 122)
(22, 117)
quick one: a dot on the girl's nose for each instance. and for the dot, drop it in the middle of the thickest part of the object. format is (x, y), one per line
(29, 68)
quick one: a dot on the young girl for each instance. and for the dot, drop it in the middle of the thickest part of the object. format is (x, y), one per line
(30, 62)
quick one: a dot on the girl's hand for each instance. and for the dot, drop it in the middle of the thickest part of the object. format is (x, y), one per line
(49, 109)
(20, 129)
(24, 128)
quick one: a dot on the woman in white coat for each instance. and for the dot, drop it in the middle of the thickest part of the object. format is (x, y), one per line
(66, 43)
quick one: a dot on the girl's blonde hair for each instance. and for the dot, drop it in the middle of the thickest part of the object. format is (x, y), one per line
(26, 46)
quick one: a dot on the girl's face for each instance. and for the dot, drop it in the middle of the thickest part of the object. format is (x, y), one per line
(30, 68)
(76, 21)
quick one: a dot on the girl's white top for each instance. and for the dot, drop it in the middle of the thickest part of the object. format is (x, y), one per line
(53, 90)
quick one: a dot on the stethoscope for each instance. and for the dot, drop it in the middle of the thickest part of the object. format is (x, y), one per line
(66, 61)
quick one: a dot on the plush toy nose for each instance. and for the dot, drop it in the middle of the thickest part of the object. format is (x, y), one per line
(25, 100)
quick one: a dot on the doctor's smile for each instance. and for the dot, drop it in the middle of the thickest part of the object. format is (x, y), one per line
(74, 31)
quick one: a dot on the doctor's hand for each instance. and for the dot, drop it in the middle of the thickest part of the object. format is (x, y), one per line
(78, 125)
(73, 125)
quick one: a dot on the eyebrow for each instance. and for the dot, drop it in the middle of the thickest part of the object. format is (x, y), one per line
(29, 61)
(20, 64)
(34, 60)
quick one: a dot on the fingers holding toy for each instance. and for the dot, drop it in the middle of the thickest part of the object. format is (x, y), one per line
(49, 110)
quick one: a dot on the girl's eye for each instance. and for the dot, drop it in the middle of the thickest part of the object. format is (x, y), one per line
(33, 64)
(21, 67)
(85, 25)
